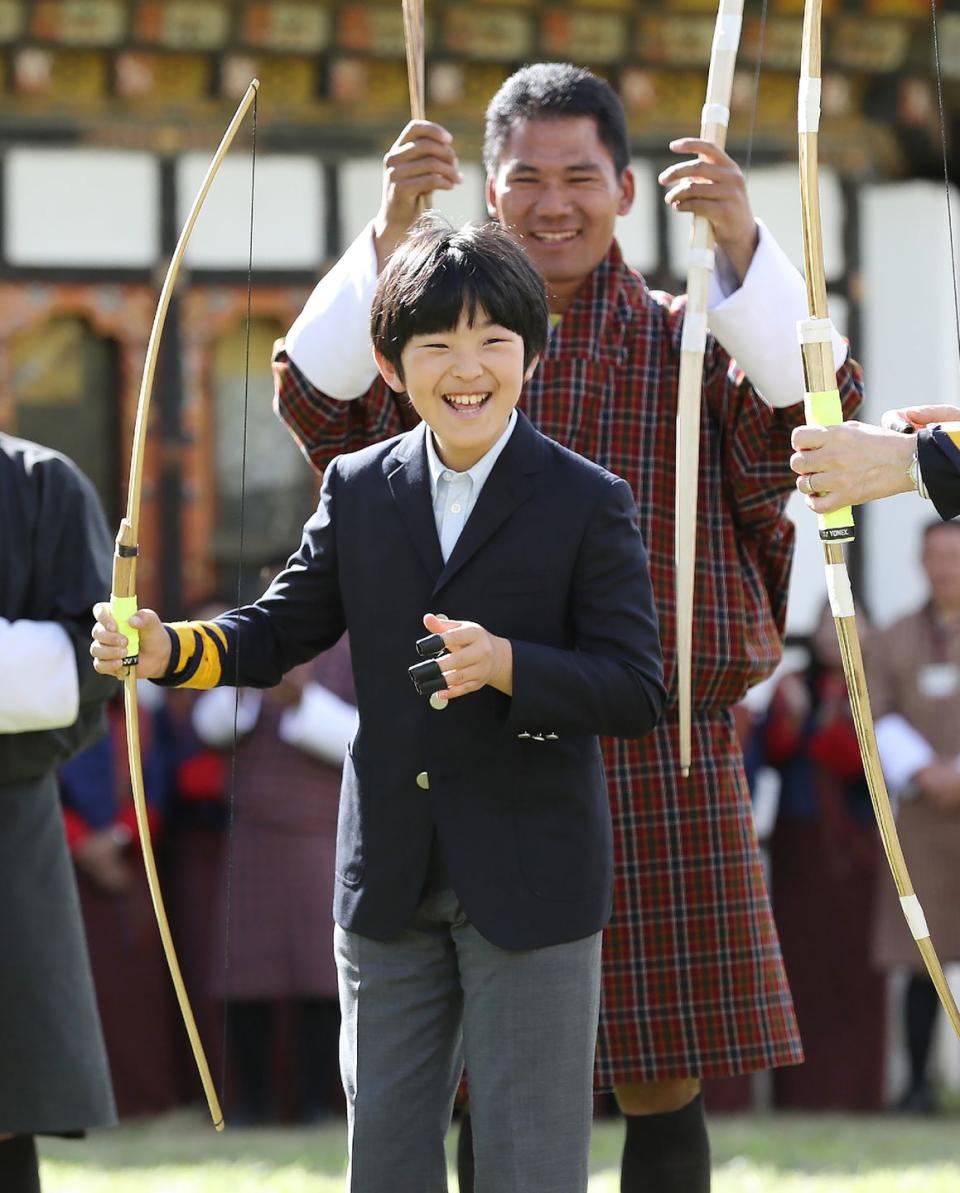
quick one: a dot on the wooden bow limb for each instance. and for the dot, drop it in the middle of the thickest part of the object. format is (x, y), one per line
(413, 40)
(713, 127)
(124, 601)
(822, 406)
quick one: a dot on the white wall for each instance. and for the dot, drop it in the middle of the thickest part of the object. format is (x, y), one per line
(910, 354)
(81, 207)
(360, 187)
(289, 212)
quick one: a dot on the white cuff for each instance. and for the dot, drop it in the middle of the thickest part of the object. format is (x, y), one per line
(322, 724)
(329, 341)
(39, 685)
(214, 712)
(903, 752)
(757, 323)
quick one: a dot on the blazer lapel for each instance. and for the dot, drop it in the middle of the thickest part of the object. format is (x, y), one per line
(409, 481)
(508, 486)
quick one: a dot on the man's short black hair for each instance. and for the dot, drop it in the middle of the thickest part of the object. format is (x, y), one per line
(438, 272)
(552, 91)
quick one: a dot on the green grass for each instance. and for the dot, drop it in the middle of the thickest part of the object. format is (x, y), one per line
(752, 1154)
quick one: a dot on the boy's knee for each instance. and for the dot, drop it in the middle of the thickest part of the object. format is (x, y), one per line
(656, 1097)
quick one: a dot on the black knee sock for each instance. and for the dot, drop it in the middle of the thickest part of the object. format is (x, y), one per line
(465, 1154)
(19, 1167)
(921, 1007)
(667, 1153)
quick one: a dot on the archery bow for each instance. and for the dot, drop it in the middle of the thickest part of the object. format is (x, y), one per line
(713, 127)
(124, 601)
(822, 406)
(413, 40)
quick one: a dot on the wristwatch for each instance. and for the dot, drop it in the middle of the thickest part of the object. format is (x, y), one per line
(916, 476)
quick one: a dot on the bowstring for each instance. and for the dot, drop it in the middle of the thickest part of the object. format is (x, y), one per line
(231, 794)
(946, 169)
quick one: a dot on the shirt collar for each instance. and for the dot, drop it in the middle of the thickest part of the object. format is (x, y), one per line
(483, 467)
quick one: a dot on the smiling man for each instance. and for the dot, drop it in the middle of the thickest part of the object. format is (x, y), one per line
(694, 984)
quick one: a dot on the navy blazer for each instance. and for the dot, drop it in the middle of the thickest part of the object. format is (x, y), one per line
(550, 558)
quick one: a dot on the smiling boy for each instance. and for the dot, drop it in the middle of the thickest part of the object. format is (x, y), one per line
(474, 844)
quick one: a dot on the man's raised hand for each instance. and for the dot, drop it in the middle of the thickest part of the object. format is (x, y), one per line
(712, 185)
(421, 160)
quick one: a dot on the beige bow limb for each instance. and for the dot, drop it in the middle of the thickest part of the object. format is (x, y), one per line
(413, 39)
(124, 602)
(713, 127)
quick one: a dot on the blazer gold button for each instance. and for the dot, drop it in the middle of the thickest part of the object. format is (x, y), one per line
(423, 781)
(438, 700)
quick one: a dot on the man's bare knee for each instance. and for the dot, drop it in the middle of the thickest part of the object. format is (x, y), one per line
(656, 1097)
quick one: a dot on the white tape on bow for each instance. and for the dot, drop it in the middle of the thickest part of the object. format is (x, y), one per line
(815, 331)
(701, 259)
(715, 114)
(913, 913)
(839, 590)
(694, 338)
(808, 104)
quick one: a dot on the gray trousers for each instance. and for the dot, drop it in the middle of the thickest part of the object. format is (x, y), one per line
(525, 1023)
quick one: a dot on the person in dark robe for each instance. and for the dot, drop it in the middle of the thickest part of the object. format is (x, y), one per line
(126, 955)
(55, 552)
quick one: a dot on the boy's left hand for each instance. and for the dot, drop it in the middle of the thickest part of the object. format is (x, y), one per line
(476, 657)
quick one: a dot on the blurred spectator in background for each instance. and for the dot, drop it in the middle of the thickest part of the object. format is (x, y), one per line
(55, 554)
(194, 845)
(824, 858)
(129, 969)
(915, 689)
(278, 893)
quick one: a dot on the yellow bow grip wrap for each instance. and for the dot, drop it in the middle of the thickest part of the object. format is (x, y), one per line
(123, 608)
(824, 410)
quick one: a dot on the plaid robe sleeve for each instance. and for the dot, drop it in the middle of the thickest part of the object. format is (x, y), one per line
(325, 427)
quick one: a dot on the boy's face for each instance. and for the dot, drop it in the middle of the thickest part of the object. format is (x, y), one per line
(463, 383)
(557, 189)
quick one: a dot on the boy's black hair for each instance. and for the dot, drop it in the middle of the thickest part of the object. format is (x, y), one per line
(438, 272)
(552, 91)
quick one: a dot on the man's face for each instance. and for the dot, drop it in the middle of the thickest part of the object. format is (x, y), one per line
(464, 383)
(557, 189)
(941, 562)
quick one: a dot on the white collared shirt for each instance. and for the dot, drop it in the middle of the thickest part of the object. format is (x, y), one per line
(455, 493)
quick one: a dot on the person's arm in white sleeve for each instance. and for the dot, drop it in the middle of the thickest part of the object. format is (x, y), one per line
(329, 341)
(756, 323)
(321, 724)
(39, 685)
(903, 752)
(215, 711)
